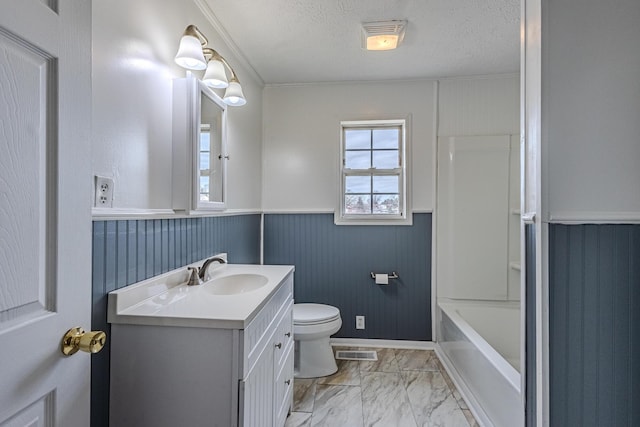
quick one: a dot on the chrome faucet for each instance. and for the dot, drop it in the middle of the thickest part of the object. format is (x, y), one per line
(203, 269)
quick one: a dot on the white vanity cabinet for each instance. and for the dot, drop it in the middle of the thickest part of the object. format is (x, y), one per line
(191, 374)
(267, 376)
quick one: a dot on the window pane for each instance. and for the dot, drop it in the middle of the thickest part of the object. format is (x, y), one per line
(358, 184)
(385, 184)
(388, 204)
(386, 138)
(357, 159)
(357, 204)
(357, 139)
(204, 161)
(386, 159)
(204, 188)
(205, 141)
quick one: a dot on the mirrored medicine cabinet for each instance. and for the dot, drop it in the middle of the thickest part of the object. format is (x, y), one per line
(199, 147)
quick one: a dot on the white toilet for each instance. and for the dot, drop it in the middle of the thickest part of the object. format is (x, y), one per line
(313, 324)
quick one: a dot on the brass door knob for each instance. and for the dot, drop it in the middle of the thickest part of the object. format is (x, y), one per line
(77, 339)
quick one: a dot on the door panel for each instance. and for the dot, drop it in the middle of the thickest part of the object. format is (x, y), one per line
(29, 143)
(45, 219)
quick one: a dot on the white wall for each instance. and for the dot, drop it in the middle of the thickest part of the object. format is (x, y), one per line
(134, 43)
(479, 106)
(591, 110)
(302, 138)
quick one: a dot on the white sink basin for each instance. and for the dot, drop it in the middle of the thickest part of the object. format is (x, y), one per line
(236, 284)
(229, 299)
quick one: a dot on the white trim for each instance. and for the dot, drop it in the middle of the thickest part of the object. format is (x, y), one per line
(577, 217)
(102, 214)
(375, 343)
(262, 238)
(327, 211)
(106, 214)
(434, 195)
(379, 221)
(365, 82)
(299, 211)
(474, 406)
(124, 213)
(226, 38)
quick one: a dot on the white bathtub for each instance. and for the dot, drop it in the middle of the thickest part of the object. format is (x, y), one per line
(480, 343)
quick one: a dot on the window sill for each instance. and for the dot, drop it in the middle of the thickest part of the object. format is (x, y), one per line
(338, 219)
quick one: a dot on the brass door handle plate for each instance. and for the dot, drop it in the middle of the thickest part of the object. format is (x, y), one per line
(77, 339)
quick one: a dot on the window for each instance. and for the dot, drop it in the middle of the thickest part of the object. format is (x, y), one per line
(373, 172)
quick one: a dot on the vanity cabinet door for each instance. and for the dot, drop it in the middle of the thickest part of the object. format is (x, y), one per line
(266, 392)
(283, 366)
(284, 388)
(256, 392)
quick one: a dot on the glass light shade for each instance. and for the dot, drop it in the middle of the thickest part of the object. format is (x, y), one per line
(382, 42)
(234, 96)
(215, 75)
(190, 54)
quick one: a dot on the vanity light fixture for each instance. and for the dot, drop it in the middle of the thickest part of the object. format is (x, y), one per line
(193, 54)
(383, 35)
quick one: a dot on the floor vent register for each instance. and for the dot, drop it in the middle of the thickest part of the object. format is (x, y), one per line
(357, 355)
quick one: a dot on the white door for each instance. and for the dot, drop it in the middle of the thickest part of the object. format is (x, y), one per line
(45, 219)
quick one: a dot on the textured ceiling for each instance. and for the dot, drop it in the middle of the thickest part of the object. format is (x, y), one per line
(302, 41)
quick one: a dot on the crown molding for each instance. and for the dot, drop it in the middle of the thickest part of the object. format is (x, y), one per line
(226, 38)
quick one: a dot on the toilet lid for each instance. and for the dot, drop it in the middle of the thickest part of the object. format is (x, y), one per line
(305, 314)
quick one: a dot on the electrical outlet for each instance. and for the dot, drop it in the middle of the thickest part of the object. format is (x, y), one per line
(359, 322)
(104, 192)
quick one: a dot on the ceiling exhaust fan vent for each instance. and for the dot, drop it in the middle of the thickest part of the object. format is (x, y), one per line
(383, 35)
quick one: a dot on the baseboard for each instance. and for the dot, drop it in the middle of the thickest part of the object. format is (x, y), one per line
(474, 406)
(362, 342)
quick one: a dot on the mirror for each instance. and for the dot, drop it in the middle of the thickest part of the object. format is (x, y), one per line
(211, 153)
(199, 147)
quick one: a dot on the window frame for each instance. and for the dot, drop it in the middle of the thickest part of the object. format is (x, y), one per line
(403, 173)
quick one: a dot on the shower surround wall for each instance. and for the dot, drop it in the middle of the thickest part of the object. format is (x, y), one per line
(478, 197)
(128, 251)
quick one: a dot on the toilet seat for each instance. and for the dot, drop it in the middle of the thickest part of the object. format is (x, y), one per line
(314, 314)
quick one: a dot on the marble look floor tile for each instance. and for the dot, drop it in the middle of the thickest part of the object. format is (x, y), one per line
(348, 374)
(432, 401)
(386, 361)
(337, 406)
(470, 419)
(304, 393)
(384, 400)
(452, 387)
(298, 419)
(417, 360)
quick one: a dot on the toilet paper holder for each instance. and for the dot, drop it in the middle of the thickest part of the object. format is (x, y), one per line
(392, 275)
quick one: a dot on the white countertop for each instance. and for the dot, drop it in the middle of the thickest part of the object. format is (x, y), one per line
(166, 300)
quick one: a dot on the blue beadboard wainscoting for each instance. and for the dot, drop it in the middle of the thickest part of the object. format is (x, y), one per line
(333, 266)
(594, 325)
(128, 251)
(530, 327)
